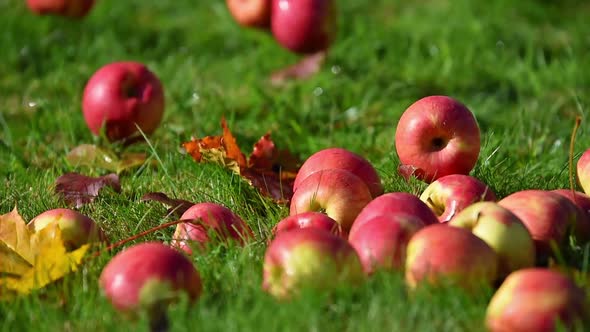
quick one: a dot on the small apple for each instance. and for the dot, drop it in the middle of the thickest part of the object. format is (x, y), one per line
(582, 228)
(343, 159)
(501, 230)
(148, 276)
(250, 13)
(337, 192)
(547, 215)
(76, 228)
(450, 194)
(394, 203)
(304, 26)
(437, 136)
(308, 219)
(444, 254)
(309, 258)
(67, 8)
(381, 242)
(537, 299)
(122, 96)
(583, 171)
(209, 219)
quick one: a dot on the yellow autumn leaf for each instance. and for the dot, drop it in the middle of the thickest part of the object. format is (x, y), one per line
(16, 252)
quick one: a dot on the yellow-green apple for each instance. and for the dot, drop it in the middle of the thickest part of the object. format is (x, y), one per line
(67, 8)
(394, 203)
(501, 230)
(120, 97)
(381, 242)
(437, 136)
(76, 228)
(250, 13)
(304, 26)
(583, 171)
(343, 159)
(309, 258)
(450, 194)
(337, 192)
(308, 219)
(148, 276)
(209, 219)
(547, 215)
(441, 254)
(582, 228)
(537, 299)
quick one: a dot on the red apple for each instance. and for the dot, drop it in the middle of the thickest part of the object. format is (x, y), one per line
(76, 228)
(210, 219)
(148, 276)
(304, 26)
(450, 194)
(122, 96)
(547, 216)
(437, 136)
(501, 230)
(308, 219)
(442, 254)
(582, 201)
(343, 159)
(337, 192)
(583, 171)
(250, 13)
(391, 204)
(537, 299)
(381, 242)
(68, 8)
(309, 258)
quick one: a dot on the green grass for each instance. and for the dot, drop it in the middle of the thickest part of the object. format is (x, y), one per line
(521, 67)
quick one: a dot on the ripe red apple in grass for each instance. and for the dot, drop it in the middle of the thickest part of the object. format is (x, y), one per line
(250, 13)
(441, 254)
(450, 194)
(392, 204)
(537, 299)
(337, 192)
(120, 97)
(211, 219)
(309, 258)
(547, 215)
(501, 230)
(148, 276)
(437, 136)
(582, 201)
(67, 8)
(76, 228)
(342, 159)
(308, 219)
(583, 171)
(304, 26)
(381, 242)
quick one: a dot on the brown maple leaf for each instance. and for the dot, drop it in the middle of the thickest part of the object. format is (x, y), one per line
(77, 189)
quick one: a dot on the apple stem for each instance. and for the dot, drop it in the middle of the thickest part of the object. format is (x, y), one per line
(571, 154)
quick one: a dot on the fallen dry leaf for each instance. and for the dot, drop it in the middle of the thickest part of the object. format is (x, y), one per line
(177, 206)
(95, 157)
(77, 189)
(305, 68)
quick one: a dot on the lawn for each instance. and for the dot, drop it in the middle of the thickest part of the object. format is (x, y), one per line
(521, 67)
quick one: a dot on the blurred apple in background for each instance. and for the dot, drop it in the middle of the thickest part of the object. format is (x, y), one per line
(537, 299)
(76, 228)
(337, 192)
(441, 254)
(211, 219)
(67, 8)
(304, 26)
(437, 136)
(582, 201)
(308, 219)
(342, 159)
(583, 171)
(309, 258)
(250, 13)
(120, 97)
(502, 231)
(450, 194)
